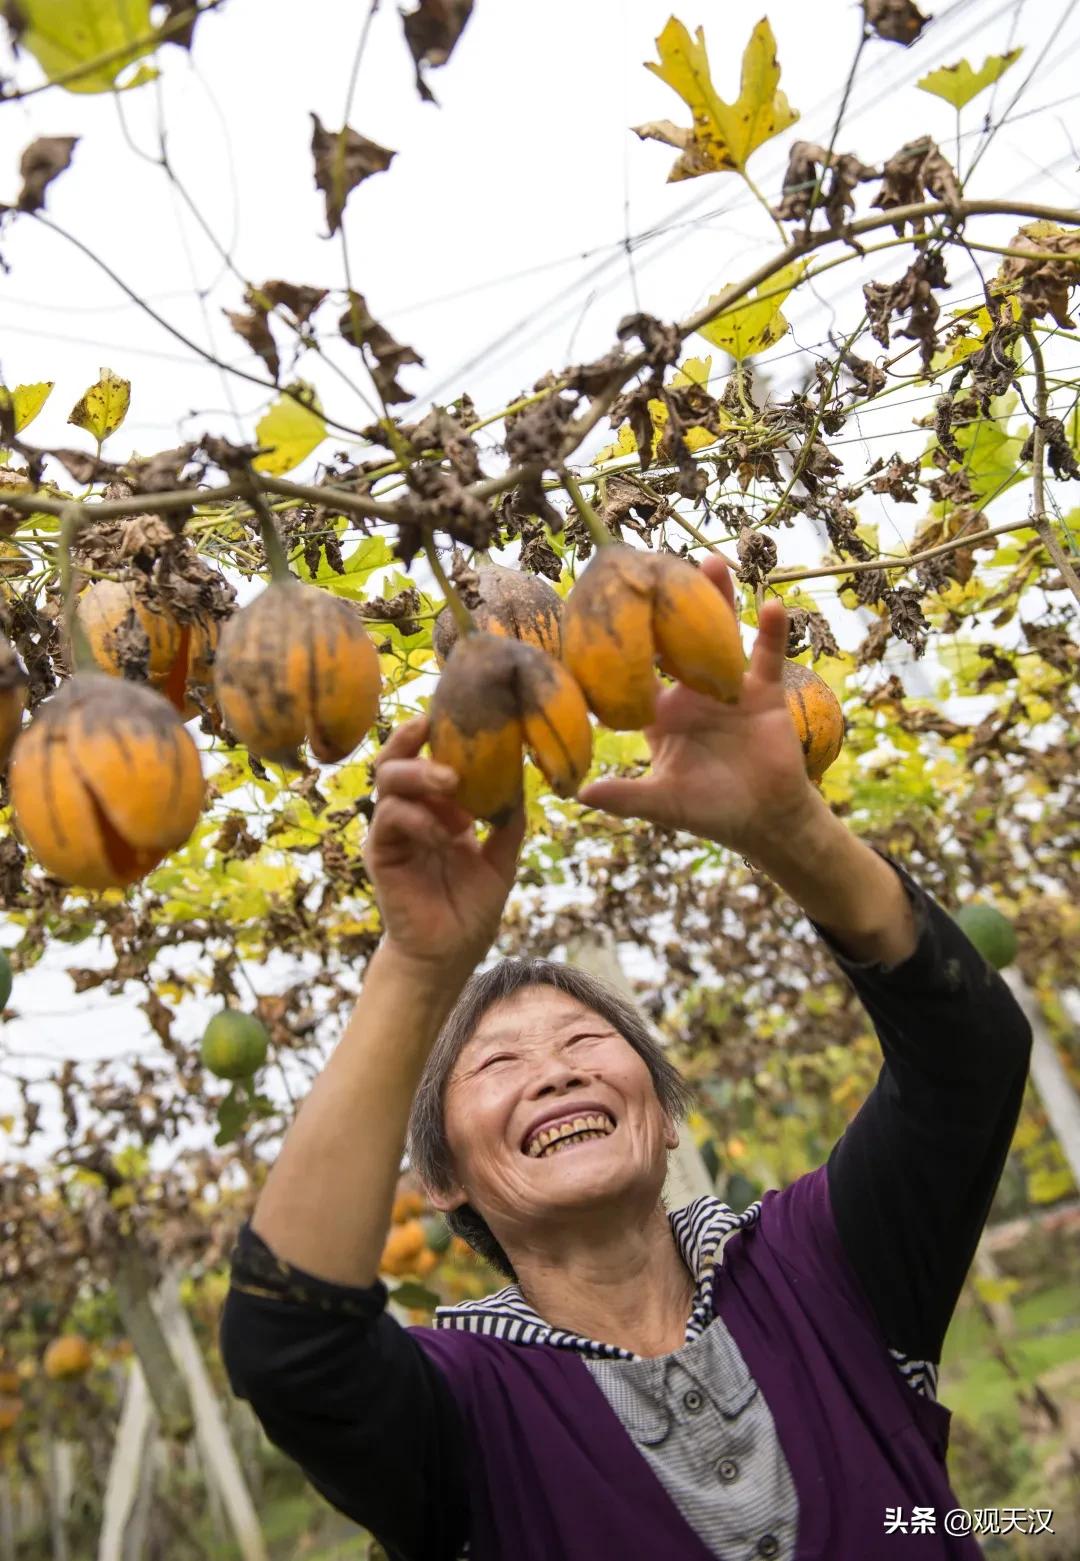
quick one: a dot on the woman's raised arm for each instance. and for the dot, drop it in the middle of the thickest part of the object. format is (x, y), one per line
(325, 1206)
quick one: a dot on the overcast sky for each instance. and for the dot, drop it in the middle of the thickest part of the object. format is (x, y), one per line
(496, 244)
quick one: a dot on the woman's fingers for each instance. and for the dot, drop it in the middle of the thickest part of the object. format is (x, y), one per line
(397, 822)
(414, 778)
(714, 569)
(770, 647)
(404, 742)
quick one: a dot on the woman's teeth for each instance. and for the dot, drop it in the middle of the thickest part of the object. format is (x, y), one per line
(574, 1130)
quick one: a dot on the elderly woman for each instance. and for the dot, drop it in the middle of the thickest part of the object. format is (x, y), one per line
(651, 1383)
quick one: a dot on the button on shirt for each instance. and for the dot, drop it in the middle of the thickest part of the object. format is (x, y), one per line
(698, 1419)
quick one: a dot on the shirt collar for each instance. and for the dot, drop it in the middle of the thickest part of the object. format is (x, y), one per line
(700, 1231)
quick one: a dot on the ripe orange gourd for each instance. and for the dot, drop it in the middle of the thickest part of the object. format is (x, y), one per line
(404, 1244)
(66, 1357)
(112, 611)
(10, 1410)
(495, 696)
(819, 720)
(10, 1384)
(13, 681)
(296, 664)
(407, 1206)
(630, 609)
(520, 606)
(193, 666)
(105, 782)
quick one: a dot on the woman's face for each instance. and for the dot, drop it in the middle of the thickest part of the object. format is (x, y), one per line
(550, 1110)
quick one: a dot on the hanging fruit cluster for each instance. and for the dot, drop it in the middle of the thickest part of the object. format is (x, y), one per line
(531, 669)
(106, 781)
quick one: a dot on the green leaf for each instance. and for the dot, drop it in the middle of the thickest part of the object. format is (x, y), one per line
(290, 430)
(103, 407)
(958, 84)
(231, 1115)
(26, 401)
(412, 1293)
(98, 39)
(754, 323)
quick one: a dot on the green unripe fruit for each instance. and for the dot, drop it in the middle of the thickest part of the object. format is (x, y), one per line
(5, 979)
(234, 1045)
(990, 932)
(436, 1232)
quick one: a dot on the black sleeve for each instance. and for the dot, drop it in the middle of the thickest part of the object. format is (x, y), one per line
(345, 1391)
(912, 1178)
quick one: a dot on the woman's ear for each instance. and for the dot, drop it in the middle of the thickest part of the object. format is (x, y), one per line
(446, 1199)
(671, 1133)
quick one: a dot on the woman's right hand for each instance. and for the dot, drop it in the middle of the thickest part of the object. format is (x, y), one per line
(441, 893)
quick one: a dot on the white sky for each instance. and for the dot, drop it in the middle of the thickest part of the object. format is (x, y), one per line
(494, 245)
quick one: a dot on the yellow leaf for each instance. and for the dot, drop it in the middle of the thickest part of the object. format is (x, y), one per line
(754, 323)
(995, 1291)
(724, 134)
(694, 371)
(103, 407)
(26, 401)
(625, 444)
(292, 429)
(96, 39)
(1050, 1186)
(958, 84)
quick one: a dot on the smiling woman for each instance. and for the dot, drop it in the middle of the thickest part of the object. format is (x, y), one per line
(651, 1382)
(521, 1015)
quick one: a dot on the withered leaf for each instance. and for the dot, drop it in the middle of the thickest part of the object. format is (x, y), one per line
(178, 23)
(839, 175)
(757, 556)
(1043, 285)
(343, 159)
(432, 32)
(919, 168)
(913, 294)
(254, 328)
(897, 21)
(85, 468)
(360, 329)
(39, 165)
(442, 430)
(1056, 447)
(300, 301)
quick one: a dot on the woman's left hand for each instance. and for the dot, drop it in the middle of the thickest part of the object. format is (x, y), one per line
(733, 773)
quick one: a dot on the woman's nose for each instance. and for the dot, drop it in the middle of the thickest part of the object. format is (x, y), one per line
(557, 1078)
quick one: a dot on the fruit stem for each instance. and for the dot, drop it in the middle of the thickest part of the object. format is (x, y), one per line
(276, 557)
(462, 615)
(82, 657)
(593, 524)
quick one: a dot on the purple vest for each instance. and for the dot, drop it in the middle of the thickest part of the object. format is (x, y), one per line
(552, 1472)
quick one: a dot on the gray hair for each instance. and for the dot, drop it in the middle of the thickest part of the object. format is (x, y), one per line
(429, 1151)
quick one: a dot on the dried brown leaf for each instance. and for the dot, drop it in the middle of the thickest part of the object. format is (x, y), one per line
(918, 169)
(896, 21)
(255, 330)
(343, 159)
(839, 174)
(432, 32)
(360, 329)
(300, 301)
(41, 162)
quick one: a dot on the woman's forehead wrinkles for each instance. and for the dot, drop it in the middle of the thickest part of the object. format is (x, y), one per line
(542, 1027)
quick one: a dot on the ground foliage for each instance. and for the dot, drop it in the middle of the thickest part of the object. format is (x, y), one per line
(968, 774)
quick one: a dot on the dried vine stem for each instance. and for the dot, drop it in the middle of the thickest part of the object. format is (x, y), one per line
(1040, 519)
(787, 576)
(462, 616)
(602, 403)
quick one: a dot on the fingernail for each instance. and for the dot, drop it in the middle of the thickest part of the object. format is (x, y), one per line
(442, 775)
